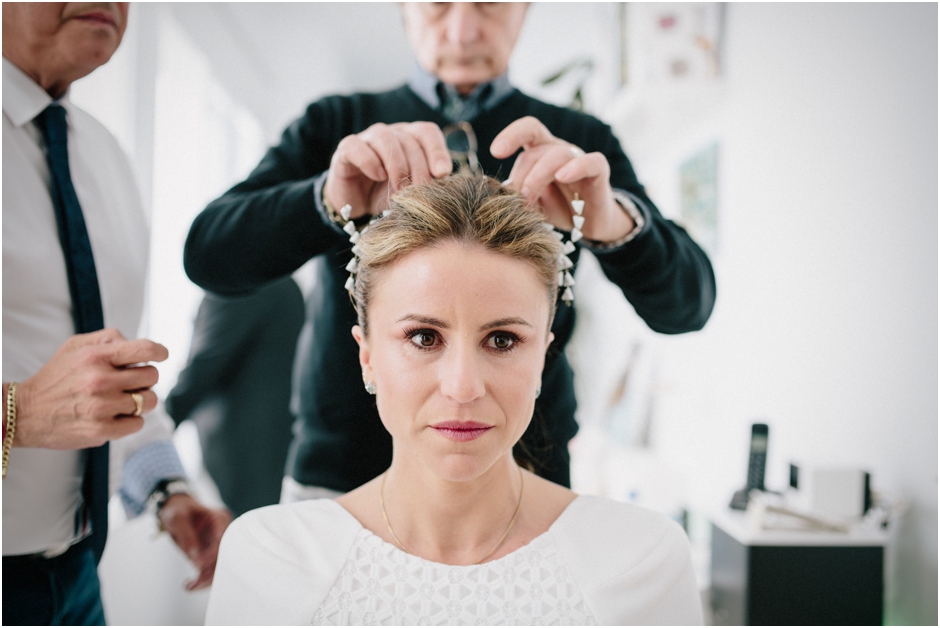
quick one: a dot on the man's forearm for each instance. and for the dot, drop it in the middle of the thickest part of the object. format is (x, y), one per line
(665, 276)
(249, 237)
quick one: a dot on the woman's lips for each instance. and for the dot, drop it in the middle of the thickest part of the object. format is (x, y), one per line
(461, 431)
(98, 17)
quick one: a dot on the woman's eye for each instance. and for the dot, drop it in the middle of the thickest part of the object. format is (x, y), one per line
(502, 342)
(424, 339)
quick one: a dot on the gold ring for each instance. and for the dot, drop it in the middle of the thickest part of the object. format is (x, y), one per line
(138, 403)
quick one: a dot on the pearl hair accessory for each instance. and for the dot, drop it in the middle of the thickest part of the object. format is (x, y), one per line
(565, 279)
(353, 265)
(354, 235)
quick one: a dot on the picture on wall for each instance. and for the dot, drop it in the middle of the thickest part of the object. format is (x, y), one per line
(698, 195)
(665, 42)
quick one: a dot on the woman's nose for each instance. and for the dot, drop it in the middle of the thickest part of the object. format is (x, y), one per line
(462, 375)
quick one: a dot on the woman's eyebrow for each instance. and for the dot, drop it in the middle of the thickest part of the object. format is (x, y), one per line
(426, 320)
(436, 322)
(502, 322)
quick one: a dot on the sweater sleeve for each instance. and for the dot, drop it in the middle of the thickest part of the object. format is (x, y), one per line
(224, 329)
(633, 566)
(663, 273)
(268, 226)
(277, 564)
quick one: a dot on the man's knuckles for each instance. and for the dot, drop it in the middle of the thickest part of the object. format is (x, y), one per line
(102, 336)
(428, 132)
(99, 383)
(146, 376)
(378, 135)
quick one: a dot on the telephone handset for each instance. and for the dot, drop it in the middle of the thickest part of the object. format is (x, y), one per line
(757, 461)
(758, 458)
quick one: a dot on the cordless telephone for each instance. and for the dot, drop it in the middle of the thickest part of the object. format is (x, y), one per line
(757, 462)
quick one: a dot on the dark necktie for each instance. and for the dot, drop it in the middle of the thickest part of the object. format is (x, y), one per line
(86, 297)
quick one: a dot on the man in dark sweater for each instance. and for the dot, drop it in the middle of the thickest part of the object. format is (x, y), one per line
(357, 149)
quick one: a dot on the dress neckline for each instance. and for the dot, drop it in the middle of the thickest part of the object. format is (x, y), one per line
(395, 549)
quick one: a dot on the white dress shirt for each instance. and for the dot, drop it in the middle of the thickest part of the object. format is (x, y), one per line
(42, 489)
(601, 562)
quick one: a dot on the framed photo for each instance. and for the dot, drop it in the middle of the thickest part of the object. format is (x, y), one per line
(670, 41)
(698, 182)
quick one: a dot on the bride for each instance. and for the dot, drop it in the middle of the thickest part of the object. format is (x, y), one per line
(455, 290)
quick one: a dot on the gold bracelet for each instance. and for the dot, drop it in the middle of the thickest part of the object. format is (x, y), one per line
(11, 426)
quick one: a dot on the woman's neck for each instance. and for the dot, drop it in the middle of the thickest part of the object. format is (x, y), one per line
(455, 523)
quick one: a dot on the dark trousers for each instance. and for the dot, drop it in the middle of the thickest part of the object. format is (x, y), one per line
(60, 591)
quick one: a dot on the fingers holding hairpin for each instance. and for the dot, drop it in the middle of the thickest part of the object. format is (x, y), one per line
(590, 169)
(589, 177)
(534, 170)
(419, 170)
(524, 133)
(387, 142)
(357, 176)
(433, 147)
(383, 159)
(555, 205)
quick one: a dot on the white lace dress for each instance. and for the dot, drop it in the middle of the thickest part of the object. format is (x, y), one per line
(601, 562)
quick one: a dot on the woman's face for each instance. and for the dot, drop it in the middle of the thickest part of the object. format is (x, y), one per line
(456, 345)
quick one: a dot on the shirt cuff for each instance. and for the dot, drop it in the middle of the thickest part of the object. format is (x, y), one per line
(318, 182)
(144, 470)
(637, 210)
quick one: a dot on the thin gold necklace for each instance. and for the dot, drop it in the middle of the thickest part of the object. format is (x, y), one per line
(488, 554)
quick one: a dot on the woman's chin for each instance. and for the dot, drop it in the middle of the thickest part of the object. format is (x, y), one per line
(462, 467)
(465, 467)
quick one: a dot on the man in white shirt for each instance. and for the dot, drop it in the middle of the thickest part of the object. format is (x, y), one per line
(74, 378)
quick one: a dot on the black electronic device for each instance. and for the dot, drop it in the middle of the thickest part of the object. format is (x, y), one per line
(757, 461)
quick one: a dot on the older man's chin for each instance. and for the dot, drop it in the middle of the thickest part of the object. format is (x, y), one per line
(466, 76)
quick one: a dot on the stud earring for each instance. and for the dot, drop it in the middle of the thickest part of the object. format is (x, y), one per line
(538, 391)
(370, 387)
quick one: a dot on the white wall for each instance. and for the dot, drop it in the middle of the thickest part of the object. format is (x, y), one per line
(826, 320)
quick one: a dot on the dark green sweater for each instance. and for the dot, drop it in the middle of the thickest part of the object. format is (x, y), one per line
(268, 226)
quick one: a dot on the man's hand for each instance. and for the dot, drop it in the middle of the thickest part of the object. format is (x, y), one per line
(369, 166)
(549, 172)
(81, 397)
(197, 531)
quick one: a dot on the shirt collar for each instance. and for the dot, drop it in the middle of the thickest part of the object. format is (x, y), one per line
(23, 98)
(424, 84)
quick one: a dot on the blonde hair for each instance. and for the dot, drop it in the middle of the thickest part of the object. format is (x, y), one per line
(466, 210)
